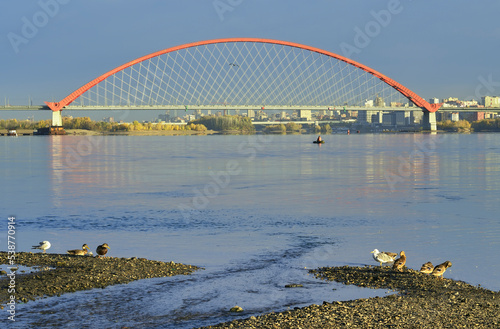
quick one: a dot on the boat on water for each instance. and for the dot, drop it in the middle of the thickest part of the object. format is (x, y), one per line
(318, 142)
(12, 132)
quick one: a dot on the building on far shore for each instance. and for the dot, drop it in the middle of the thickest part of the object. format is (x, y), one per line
(490, 101)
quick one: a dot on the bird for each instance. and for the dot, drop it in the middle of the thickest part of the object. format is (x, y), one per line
(400, 262)
(393, 255)
(102, 250)
(427, 268)
(80, 252)
(441, 268)
(381, 257)
(44, 245)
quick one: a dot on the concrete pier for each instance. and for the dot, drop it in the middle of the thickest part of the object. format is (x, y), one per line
(429, 121)
(56, 119)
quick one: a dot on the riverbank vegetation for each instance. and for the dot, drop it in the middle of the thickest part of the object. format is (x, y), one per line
(85, 123)
(486, 125)
(323, 128)
(460, 126)
(23, 124)
(101, 126)
(290, 127)
(226, 123)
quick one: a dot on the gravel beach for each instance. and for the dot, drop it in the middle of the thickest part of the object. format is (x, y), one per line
(55, 274)
(419, 301)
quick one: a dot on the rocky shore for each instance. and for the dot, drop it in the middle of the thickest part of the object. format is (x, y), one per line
(55, 274)
(419, 301)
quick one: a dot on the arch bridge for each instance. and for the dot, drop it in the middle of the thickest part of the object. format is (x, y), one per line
(242, 73)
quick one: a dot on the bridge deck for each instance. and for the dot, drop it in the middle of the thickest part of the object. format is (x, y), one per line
(241, 108)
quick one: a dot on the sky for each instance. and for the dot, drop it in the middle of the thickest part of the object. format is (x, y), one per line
(447, 48)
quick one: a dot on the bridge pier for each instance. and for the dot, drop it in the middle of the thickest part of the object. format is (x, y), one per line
(429, 122)
(56, 119)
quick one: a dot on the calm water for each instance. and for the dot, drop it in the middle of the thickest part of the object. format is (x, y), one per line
(256, 212)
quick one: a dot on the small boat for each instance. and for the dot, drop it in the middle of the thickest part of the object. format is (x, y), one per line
(12, 132)
(319, 142)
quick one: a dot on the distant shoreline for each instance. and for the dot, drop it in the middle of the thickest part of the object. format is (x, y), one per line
(84, 132)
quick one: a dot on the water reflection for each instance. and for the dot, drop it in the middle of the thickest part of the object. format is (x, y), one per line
(83, 165)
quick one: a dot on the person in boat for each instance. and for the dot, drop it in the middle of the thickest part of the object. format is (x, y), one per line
(319, 139)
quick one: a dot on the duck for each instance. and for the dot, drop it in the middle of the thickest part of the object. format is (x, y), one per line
(427, 268)
(381, 257)
(441, 268)
(80, 252)
(102, 250)
(44, 245)
(400, 262)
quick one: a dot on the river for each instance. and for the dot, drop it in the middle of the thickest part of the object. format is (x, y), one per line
(256, 212)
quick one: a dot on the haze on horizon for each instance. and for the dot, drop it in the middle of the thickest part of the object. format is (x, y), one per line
(447, 49)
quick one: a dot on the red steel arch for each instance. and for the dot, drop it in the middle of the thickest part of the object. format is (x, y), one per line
(413, 97)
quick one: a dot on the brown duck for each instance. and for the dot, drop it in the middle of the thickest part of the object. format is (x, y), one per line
(80, 252)
(400, 262)
(102, 250)
(427, 268)
(441, 268)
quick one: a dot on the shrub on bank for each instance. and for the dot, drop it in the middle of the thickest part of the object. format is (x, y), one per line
(486, 125)
(275, 129)
(462, 125)
(225, 123)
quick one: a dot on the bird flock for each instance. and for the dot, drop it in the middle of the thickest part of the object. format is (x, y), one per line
(398, 264)
(101, 250)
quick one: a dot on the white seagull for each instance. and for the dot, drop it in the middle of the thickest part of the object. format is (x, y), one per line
(44, 245)
(381, 257)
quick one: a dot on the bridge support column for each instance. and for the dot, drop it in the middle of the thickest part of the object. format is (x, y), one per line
(429, 122)
(56, 119)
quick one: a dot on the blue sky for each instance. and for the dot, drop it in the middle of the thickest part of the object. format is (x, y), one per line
(437, 49)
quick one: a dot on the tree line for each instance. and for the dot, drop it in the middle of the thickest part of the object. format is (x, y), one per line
(226, 123)
(87, 124)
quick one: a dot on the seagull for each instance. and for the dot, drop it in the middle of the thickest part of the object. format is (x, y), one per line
(381, 257)
(427, 268)
(102, 250)
(441, 268)
(400, 262)
(393, 255)
(44, 245)
(80, 252)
